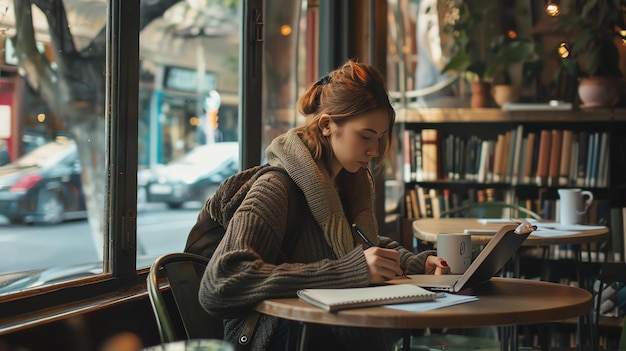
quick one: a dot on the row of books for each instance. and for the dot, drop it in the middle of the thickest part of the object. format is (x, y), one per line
(421, 202)
(550, 157)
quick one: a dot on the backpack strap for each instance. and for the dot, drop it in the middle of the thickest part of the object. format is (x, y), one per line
(293, 201)
(289, 242)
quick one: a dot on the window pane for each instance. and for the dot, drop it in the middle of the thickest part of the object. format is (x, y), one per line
(188, 117)
(183, 157)
(52, 142)
(289, 57)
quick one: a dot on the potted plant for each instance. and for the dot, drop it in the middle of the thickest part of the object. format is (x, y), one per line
(593, 31)
(505, 56)
(470, 30)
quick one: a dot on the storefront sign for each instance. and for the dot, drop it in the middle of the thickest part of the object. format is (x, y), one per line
(183, 79)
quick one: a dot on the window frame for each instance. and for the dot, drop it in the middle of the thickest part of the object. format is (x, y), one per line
(121, 280)
(22, 309)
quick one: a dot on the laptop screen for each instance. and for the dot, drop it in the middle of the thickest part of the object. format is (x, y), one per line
(492, 257)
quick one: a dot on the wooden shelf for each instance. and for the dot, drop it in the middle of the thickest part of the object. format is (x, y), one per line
(479, 115)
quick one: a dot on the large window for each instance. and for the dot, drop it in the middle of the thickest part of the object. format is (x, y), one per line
(162, 100)
(53, 95)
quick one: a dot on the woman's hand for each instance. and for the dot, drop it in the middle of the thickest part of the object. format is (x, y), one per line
(383, 264)
(436, 265)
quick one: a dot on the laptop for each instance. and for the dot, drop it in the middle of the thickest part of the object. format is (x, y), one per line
(489, 261)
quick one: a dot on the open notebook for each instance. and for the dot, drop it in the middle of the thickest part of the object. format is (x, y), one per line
(338, 299)
(489, 261)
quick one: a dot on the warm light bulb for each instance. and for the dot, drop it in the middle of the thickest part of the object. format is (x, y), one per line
(194, 121)
(553, 9)
(41, 118)
(512, 34)
(563, 50)
(285, 30)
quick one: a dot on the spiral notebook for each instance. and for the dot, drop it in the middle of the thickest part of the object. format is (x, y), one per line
(339, 299)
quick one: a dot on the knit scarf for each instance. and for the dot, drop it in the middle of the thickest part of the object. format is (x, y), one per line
(289, 152)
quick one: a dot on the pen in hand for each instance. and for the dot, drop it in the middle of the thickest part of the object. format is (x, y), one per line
(369, 242)
(362, 235)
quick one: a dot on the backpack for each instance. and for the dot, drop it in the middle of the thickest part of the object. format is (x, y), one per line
(207, 233)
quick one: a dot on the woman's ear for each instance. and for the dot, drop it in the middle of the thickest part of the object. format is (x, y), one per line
(323, 123)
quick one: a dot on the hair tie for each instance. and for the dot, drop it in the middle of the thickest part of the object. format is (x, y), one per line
(324, 80)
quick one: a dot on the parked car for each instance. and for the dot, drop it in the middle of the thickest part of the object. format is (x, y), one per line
(193, 177)
(44, 185)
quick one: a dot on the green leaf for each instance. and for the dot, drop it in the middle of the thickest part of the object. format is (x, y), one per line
(458, 63)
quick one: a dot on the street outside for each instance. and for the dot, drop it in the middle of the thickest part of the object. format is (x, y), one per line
(25, 247)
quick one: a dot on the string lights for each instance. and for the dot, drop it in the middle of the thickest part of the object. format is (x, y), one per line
(552, 8)
(563, 50)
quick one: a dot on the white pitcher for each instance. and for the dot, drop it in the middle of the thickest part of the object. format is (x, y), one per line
(574, 204)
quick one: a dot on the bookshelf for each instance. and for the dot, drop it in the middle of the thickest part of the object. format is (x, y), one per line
(537, 194)
(503, 139)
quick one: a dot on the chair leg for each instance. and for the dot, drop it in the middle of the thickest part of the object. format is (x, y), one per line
(543, 337)
(302, 344)
(406, 340)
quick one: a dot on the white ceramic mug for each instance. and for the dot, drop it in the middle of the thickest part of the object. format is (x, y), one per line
(573, 205)
(456, 250)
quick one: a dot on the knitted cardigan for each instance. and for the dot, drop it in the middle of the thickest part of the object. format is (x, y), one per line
(248, 265)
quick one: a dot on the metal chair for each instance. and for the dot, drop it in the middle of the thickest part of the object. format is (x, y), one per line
(449, 342)
(610, 273)
(622, 338)
(184, 319)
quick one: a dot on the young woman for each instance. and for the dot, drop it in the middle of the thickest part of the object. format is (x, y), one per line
(349, 124)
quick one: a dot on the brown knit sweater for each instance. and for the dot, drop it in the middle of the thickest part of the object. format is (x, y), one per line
(248, 265)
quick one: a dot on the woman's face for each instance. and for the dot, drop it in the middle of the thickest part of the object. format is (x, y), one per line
(356, 142)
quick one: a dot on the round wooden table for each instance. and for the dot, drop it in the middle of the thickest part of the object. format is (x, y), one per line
(426, 229)
(501, 301)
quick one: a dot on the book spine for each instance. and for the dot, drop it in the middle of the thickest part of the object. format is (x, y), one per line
(603, 156)
(566, 150)
(583, 153)
(408, 163)
(483, 164)
(591, 160)
(446, 200)
(419, 165)
(421, 201)
(429, 154)
(459, 159)
(448, 157)
(555, 157)
(428, 205)
(414, 204)
(498, 159)
(517, 155)
(408, 206)
(528, 167)
(544, 157)
(470, 170)
(574, 161)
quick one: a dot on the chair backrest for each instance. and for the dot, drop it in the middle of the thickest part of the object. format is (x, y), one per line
(622, 338)
(490, 209)
(185, 319)
(610, 273)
